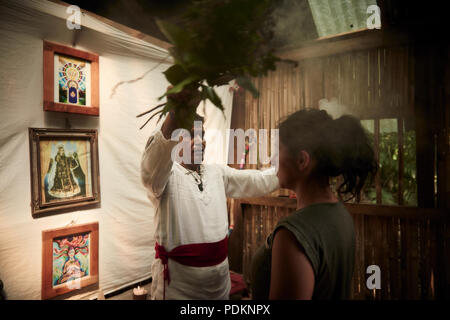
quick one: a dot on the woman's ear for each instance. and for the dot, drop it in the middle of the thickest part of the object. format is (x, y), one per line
(303, 160)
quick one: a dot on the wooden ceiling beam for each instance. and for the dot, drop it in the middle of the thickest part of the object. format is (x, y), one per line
(356, 40)
(130, 31)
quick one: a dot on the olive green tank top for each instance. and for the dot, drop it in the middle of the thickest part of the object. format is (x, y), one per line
(327, 235)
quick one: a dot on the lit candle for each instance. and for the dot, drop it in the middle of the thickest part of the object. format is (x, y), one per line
(139, 293)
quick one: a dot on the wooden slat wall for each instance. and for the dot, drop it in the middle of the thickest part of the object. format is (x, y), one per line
(371, 84)
(401, 241)
(374, 83)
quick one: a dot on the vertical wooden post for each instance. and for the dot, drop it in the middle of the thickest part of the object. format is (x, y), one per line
(376, 142)
(443, 164)
(430, 111)
(236, 240)
(423, 103)
(443, 134)
(400, 160)
(237, 122)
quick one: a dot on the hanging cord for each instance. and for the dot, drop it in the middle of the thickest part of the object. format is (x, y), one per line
(198, 180)
(71, 223)
(113, 91)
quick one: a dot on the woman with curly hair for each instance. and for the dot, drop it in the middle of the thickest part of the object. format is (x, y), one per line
(311, 253)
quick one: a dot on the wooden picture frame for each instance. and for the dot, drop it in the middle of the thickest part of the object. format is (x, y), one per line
(69, 259)
(64, 169)
(76, 69)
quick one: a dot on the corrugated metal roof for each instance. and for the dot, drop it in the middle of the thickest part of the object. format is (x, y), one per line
(332, 17)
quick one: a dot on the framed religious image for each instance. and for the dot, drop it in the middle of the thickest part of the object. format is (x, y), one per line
(71, 80)
(64, 169)
(69, 259)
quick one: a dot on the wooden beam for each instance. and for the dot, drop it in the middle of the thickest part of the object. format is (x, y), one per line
(357, 40)
(132, 32)
(395, 211)
(357, 208)
(271, 201)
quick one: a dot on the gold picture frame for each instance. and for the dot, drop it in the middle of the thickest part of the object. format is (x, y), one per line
(64, 169)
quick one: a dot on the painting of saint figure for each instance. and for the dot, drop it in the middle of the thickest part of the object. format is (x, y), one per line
(70, 258)
(65, 170)
(72, 80)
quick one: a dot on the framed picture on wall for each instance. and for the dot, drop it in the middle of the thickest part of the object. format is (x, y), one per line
(64, 169)
(71, 80)
(69, 259)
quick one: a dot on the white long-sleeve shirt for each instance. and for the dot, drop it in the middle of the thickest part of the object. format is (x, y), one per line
(186, 215)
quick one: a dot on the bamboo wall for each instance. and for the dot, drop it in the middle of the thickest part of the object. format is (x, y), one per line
(371, 83)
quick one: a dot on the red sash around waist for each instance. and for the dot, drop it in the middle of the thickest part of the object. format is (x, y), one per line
(194, 255)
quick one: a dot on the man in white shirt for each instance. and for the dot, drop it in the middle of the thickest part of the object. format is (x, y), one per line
(191, 220)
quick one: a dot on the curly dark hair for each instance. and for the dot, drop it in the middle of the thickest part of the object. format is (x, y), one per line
(340, 147)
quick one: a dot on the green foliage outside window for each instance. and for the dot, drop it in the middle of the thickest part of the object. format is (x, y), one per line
(389, 166)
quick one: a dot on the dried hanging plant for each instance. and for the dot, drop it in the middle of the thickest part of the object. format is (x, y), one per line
(215, 42)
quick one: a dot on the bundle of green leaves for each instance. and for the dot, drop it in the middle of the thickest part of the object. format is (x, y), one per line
(214, 42)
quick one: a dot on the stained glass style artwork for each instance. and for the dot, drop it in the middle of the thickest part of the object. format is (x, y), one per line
(72, 80)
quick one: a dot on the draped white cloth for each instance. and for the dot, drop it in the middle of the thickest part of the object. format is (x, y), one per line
(126, 245)
(187, 215)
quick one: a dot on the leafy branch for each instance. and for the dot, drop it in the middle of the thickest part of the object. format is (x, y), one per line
(215, 42)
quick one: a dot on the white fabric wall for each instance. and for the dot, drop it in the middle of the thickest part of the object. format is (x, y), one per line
(125, 216)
